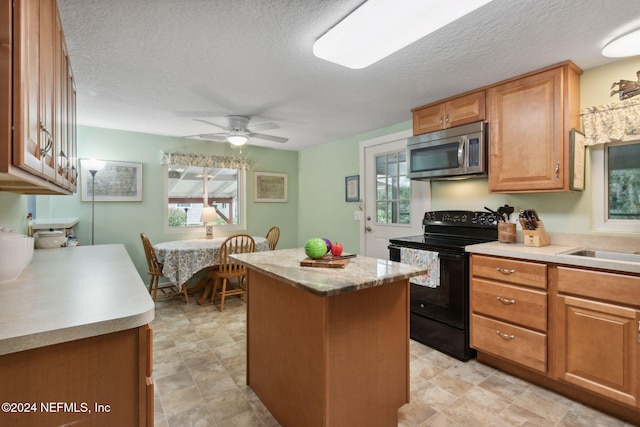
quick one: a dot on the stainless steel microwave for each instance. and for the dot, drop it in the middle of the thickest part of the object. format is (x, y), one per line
(452, 153)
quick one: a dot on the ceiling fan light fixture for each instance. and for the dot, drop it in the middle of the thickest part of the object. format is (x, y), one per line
(626, 45)
(235, 139)
(379, 28)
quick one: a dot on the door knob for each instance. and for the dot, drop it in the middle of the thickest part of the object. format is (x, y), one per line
(367, 229)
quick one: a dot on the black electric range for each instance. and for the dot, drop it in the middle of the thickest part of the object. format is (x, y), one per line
(439, 314)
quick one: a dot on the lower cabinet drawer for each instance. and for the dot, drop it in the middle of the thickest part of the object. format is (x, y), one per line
(521, 273)
(514, 304)
(520, 345)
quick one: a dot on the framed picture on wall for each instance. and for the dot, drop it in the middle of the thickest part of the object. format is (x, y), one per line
(113, 181)
(352, 188)
(269, 187)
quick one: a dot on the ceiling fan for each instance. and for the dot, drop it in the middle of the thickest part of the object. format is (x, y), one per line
(237, 131)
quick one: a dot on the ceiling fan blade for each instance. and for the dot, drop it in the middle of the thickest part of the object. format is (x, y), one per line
(214, 136)
(211, 123)
(268, 137)
(263, 126)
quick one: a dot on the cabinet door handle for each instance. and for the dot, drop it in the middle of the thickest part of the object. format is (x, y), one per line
(506, 301)
(447, 118)
(503, 271)
(557, 170)
(506, 336)
(49, 140)
(441, 122)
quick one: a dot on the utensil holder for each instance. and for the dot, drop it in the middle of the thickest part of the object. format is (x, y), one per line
(537, 237)
(506, 232)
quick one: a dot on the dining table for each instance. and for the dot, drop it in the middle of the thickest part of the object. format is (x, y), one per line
(182, 259)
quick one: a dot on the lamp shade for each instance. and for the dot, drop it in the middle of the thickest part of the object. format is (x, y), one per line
(93, 164)
(208, 214)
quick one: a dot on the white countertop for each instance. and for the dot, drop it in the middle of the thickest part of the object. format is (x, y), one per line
(552, 254)
(55, 223)
(68, 294)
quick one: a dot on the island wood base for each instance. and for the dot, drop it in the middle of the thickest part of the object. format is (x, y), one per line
(341, 360)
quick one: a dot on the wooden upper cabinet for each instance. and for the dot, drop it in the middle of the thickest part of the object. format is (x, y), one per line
(41, 104)
(454, 112)
(530, 121)
(26, 87)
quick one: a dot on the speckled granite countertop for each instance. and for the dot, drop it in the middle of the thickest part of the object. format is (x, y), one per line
(556, 253)
(361, 272)
(68, 294)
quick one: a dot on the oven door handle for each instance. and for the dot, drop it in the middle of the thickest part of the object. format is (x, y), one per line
(442, 255)
(453, 256)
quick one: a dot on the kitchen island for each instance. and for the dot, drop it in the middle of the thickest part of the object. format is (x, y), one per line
(75, 341)
(328, 346)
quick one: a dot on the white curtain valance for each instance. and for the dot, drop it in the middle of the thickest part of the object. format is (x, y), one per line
(209, 161)
(611, 122)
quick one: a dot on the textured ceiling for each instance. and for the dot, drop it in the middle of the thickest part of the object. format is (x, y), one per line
(153, 66)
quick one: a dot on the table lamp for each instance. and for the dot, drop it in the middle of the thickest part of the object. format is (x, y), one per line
(208, 215)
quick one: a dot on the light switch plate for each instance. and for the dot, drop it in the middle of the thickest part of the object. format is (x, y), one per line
(357, 215)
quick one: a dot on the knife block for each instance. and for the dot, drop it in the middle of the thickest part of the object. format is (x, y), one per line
(537, 237)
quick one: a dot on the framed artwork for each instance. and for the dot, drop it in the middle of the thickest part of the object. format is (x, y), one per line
(577, 160)
(114, 181)
(352, 188)
(269, 187)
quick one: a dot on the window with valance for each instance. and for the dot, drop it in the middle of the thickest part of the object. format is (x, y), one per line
(194, 181)
(613, 132)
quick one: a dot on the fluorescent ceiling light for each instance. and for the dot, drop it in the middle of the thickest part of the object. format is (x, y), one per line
(627, 45)
(379, 28)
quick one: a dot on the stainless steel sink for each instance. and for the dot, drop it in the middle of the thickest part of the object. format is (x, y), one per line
(612, 256)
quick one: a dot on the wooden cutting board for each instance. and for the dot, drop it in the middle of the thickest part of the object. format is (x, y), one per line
(326, 262)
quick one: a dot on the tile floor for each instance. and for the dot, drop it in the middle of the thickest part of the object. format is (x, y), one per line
(199, 374)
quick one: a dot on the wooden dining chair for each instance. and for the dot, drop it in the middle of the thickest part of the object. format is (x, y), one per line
(273, 235)
(229, 268)
(155, 271)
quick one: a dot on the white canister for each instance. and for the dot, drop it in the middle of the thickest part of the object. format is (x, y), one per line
(50, 239)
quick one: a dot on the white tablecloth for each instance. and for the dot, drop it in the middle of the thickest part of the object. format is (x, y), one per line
(184, 258)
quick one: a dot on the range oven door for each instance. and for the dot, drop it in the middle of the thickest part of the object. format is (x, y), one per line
(448, 302)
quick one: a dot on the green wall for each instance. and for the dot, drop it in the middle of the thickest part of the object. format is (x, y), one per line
(122, 222)
(323, 209)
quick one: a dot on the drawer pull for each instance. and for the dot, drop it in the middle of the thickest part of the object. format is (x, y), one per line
(503, 271)
(506, 301)
(506, 336)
